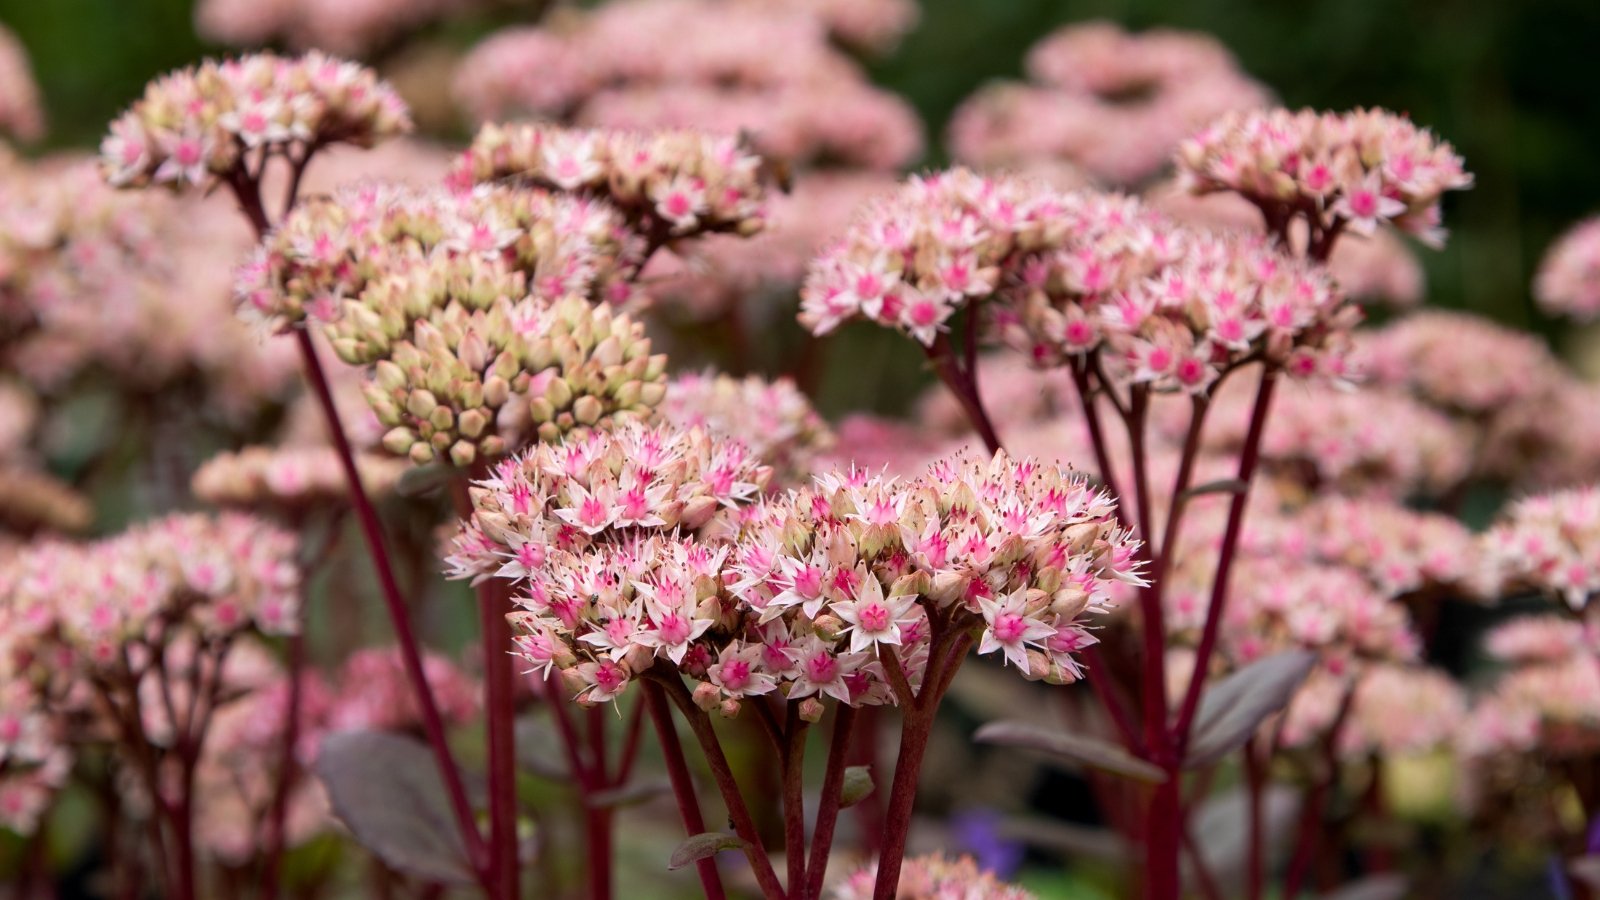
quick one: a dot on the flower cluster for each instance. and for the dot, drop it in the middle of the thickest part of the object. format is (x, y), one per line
(1400, 551)
(1379, 269)
(1568, 282)
(329, 249)
(466, 362)
(213, 576)
(1113, 103)
(1369, 442)
(1547, 699)
(1352, 170)
(600, 486)
(933, 877)
(943, 241)
(1276, 605)
(348, 28)
(1439, 356)
(201, 123)
(772, 418)
(1548, 542)
(291, 479)
(669, 184)
(1173, 308)
(20, 113)
(758, 67)
(1394, 710)
(133, 286)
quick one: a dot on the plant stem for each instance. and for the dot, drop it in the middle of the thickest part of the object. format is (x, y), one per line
(410, 656)
(288, 769)
(743, 825)
(682, 783)
(500, 702)
(793, 757)
(1248, 459)
(1091, 417)
(914, 731)
(963, 383)
(828, 806)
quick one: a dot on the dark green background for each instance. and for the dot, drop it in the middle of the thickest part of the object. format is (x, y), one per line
(1513, 85)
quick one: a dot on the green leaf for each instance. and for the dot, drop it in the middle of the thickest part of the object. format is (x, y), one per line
(628, 794)
(700, 846)
(1066, 746)
(857, 786)
(1376, 887)
(1233, 708)
(387, 790)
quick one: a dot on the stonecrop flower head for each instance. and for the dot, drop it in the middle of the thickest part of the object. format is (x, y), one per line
(1548, 542)
(933, 877)
(1568, 283)
(1111, 102)
(20, 112)
(347, 28)
(943, 241)
(1370, 442)
(1393, 710)
(464, 361)
(772, 418)
(1171, 307)
(1353, 170)
(1464, 364)
(288, 479)
(1547, 699)
(329, 249)
(600, 486)
(206, 122)
(202, 575)
(668, 184)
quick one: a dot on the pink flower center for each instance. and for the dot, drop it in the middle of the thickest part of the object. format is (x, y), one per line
(1009, 628)
(874, 617)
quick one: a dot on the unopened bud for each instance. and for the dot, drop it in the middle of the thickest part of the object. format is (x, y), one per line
(811, 710)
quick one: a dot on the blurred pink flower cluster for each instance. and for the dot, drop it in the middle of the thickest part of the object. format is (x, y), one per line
(288, 479)
(207, 122)
(350, 27)
(933, 877)
(759, 67)
(1550, 543)
(1113, 103)
(773, 419)
(1568, 282)
(1548, 697)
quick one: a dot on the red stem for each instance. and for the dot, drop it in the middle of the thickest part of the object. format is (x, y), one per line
(743, 825)
(1091, 417)
(500, 703)
(1248, 459)
(1255, 777)
(410, 656)
(963, 383)
(682, 784)
(828, 806)
(914, 732)
(793, 757)
(288, 769)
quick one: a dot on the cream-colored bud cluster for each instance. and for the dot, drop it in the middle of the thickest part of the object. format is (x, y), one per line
(466, 363)
(670, 183)
(288, 478)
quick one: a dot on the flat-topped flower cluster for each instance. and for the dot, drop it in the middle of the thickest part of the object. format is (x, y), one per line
(1568, 282)
(202, 122)
(669, 184)
(1352, 170)
(643, 547)
(1074, 272)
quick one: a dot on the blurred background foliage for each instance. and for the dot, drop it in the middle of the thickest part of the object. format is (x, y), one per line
(1511, 84)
